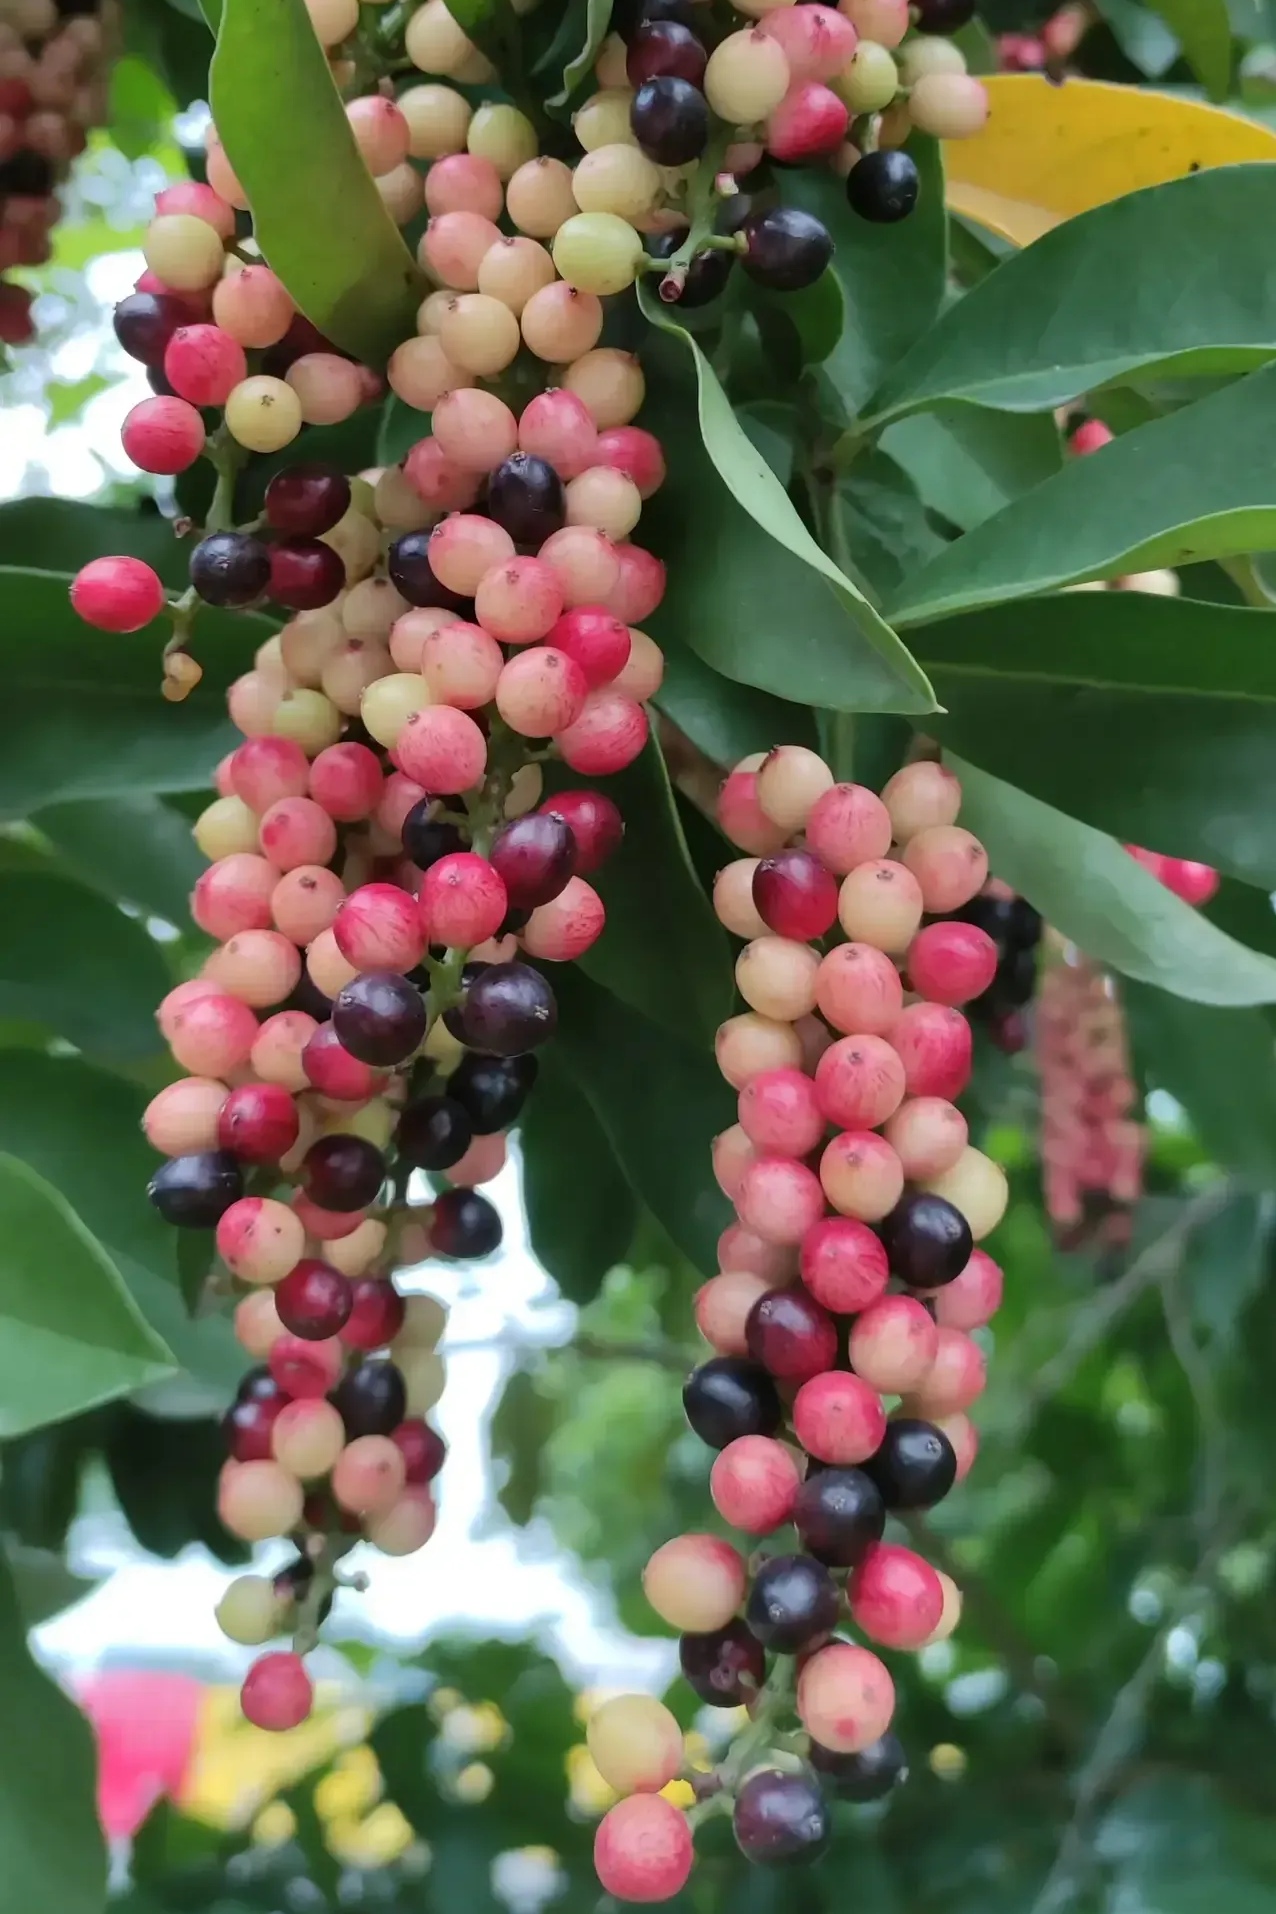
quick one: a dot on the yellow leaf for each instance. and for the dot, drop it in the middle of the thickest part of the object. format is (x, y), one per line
(1050, 152)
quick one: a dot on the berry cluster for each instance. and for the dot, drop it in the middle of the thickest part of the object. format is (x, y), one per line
(52, 90)
(850, 1277)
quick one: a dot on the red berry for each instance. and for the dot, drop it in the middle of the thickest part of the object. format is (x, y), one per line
(534, 856)
(306, 500)
(314, 1300)
(422, 1448)
(790, 1335)
(643, 1849)
(163, 435)
(795, 895)
(951, 963)
(594, 822)
(462, 900)
(810, 119)
(259, 1122)
(305, 574)
(933, 1043)
(203, 364)
(117, 594)
(247, 1425)
(305, 1370)
(599, 642)
(896, 1598)
(376, 1314)
(277, 1692)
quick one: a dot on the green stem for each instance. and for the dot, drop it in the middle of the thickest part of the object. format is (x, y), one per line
(775, 1698)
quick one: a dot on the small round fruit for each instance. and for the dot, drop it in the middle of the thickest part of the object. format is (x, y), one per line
(792, 1604)
(643, 1849)
(927, 1239)
(787, 249)
(883, 186)
(725, 1668)
(839, 1514)
(915, 1466)
(696, 1583)
(635, 1742)
(729, 1397)
(869, 1775)
(277, 1693)
(845, 1698)
(780, 1818)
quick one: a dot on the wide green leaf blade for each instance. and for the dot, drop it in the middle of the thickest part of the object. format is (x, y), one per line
(54, 1853)
(724, 720)
(136, 849)
(1105, 295)
(1204, 31)
(581, 1213)
(73, 1336)
(1153, 718)
(966, 462)
(770, 608)
(578, 68)
(44, 533)
(1091, 889)
(892, 278)
(663, 951)
(317, 214)
(660, 1103)
(1219, 1065)
(1197, 484)
(70, 959)
(84, 711)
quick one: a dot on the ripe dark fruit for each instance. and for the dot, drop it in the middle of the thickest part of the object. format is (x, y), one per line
(194, 1192)
(792, 1604)
(525, 496)
(780, 1817)
(839, 1515)
(342, 1172)
(944, 16)
(465, 1225)
(883, 186)
(426, 839)
(594, 822)
(304, 501)
(408, 564)
(145, 322)
(509, 1008)
(726, 1668)
(247, 1424)
(534, 856)
(866, 1776)
(790, 1334)
(795, 895)
(305, 574)
(422, 1448)
(376, 1314)
(787, 249)
(707, 274)
(664, 49)
(927, 1239)
(729, 1396)
(371, 1398)
(314, 1300)
(230, 568)
(915, 1466)
(670, 121)
(434, 1133)
(379, 1017)
(492, 1090)
(454, 1017)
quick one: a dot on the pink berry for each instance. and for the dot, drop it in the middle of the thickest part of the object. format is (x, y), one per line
(935, 1047)
(599, 643)
(295, 831)
(463, 183)
(259, 1122)
(893, 1344)
(305, 1370)
(519, 602)
(779, 1199)
(169, 1011)
(260, 967)
(556, 426)
(326, 1226)
(639, 589)
(567, 926)
(844, 1265)
(594, 822)
(346, 780)
(334, 1072)
(265, 769)
(964, 1436)
(919, 797)
(182, 1118)
(379, 928)
(1090, 436)
(541, 692)
(399, 795)
(475, 429)
(190, 196)
(117, 594)
(305, 901)
(928, 1134)
(839, 1418)
(954, 1380)
(213, 1035)
(636, 453)
(950, 865)
(880, 903)
(462, 900)
(163, 435)
(203, 364)
(861, 1175)
(439, 481)
(859, 1082)
(259, 1239)
(743, 1249)
(466, 546)
(848, 825)
(754, 1483)
(461, 664)
(234, 894)
(643, 1849)
(779, 1113)
(276, 1054)
(845, 1697)
(951, 963)
(277, 1693)
(795, 895)
(732, 1154)
(454, 245)
(810, 119)
(443, 750)
(790, 1335)
(1194, 883)
(585, 563)
(643, 673)
(741, 816)
(858, 990)
(722, 1308)
(817, 41)
(608, 733)
(896, 1598)
(973, 1298)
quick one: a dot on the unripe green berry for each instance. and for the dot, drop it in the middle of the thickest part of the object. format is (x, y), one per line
(870, 82)
(248, 1612)
(929, 53)
(597, 252)
(505, 136)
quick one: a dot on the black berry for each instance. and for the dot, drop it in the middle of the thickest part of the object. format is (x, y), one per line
(465, 1225)
(792, 1604)
(145, 322)
(726, 1668)
(927, 1239)
(707, 273)
(787, 249)
(408, 564)
(379, 1017)
(665, 49)
(305, 574)
(371, 1398)
(194, 1192)
(729, 1396)
(780, 1816)
(508, 1009)
(230, 568)
(883, 186)
(342, 1172)
(915, 1466)
(426, 839)
(525, 496)
(434, 1133)
(670, 121)
(865, 1776)
(304, 501)
(492, 1090)
(839, 1514)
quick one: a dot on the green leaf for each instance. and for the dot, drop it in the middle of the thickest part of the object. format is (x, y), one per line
(73, 1336)
(893, 279)
(1218, 1064)
(662, 950)
(1153, 718)
(771, 611)
(967, 463)
(85, 716)
(597, 22)
(581, 1214)
(1068, 313)
(883, 522)
(522, 1424)
(70, 959)
(724, 720)
(660, 1103)
(40, 1482)
(317, 214)
(1204, 32)
(1197, 484)
(817, 314)
(164, 1473)
(42, 1582)
(46, 533)
(55, 1856)
(136, 849)
(1091, 889)
(80, 1129)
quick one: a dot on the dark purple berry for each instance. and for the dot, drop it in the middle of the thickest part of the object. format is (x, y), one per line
(726, 1668)
(883, 186)
(526, 497)
(230, 568)
(247, 1426)
(792, 1605)
(915, 1465)
(670, 121)
(434, 1133)
(454, 1015)
(426, 839)
(304, 501)
(305, 574)
(729, 1396)
(944, 16)
(379, 1017)
(408, 564)
(342, 1172)
(194, 1192)
(145, 322)
(927, 1239)
(780, 1816)
(534, 857)
(787, 249)
(707, 274)
(371, 1398)
(509, 1008)
(664, 49)
(465, 1225)
(492, 1090)
(839, 1514)
(865, 1776)
(314, 1300)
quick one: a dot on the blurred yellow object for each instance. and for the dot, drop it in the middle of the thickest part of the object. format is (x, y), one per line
(1050, 152)
(681, 1793)
(377, 1840)
(351, 1786)
(474, 1728)
(444, 1700)
(474, 1783)
(947, 1762)
(590, 1700)
(696, 1749)
(588, 1792)
(275, 1825)
(236, 1769)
